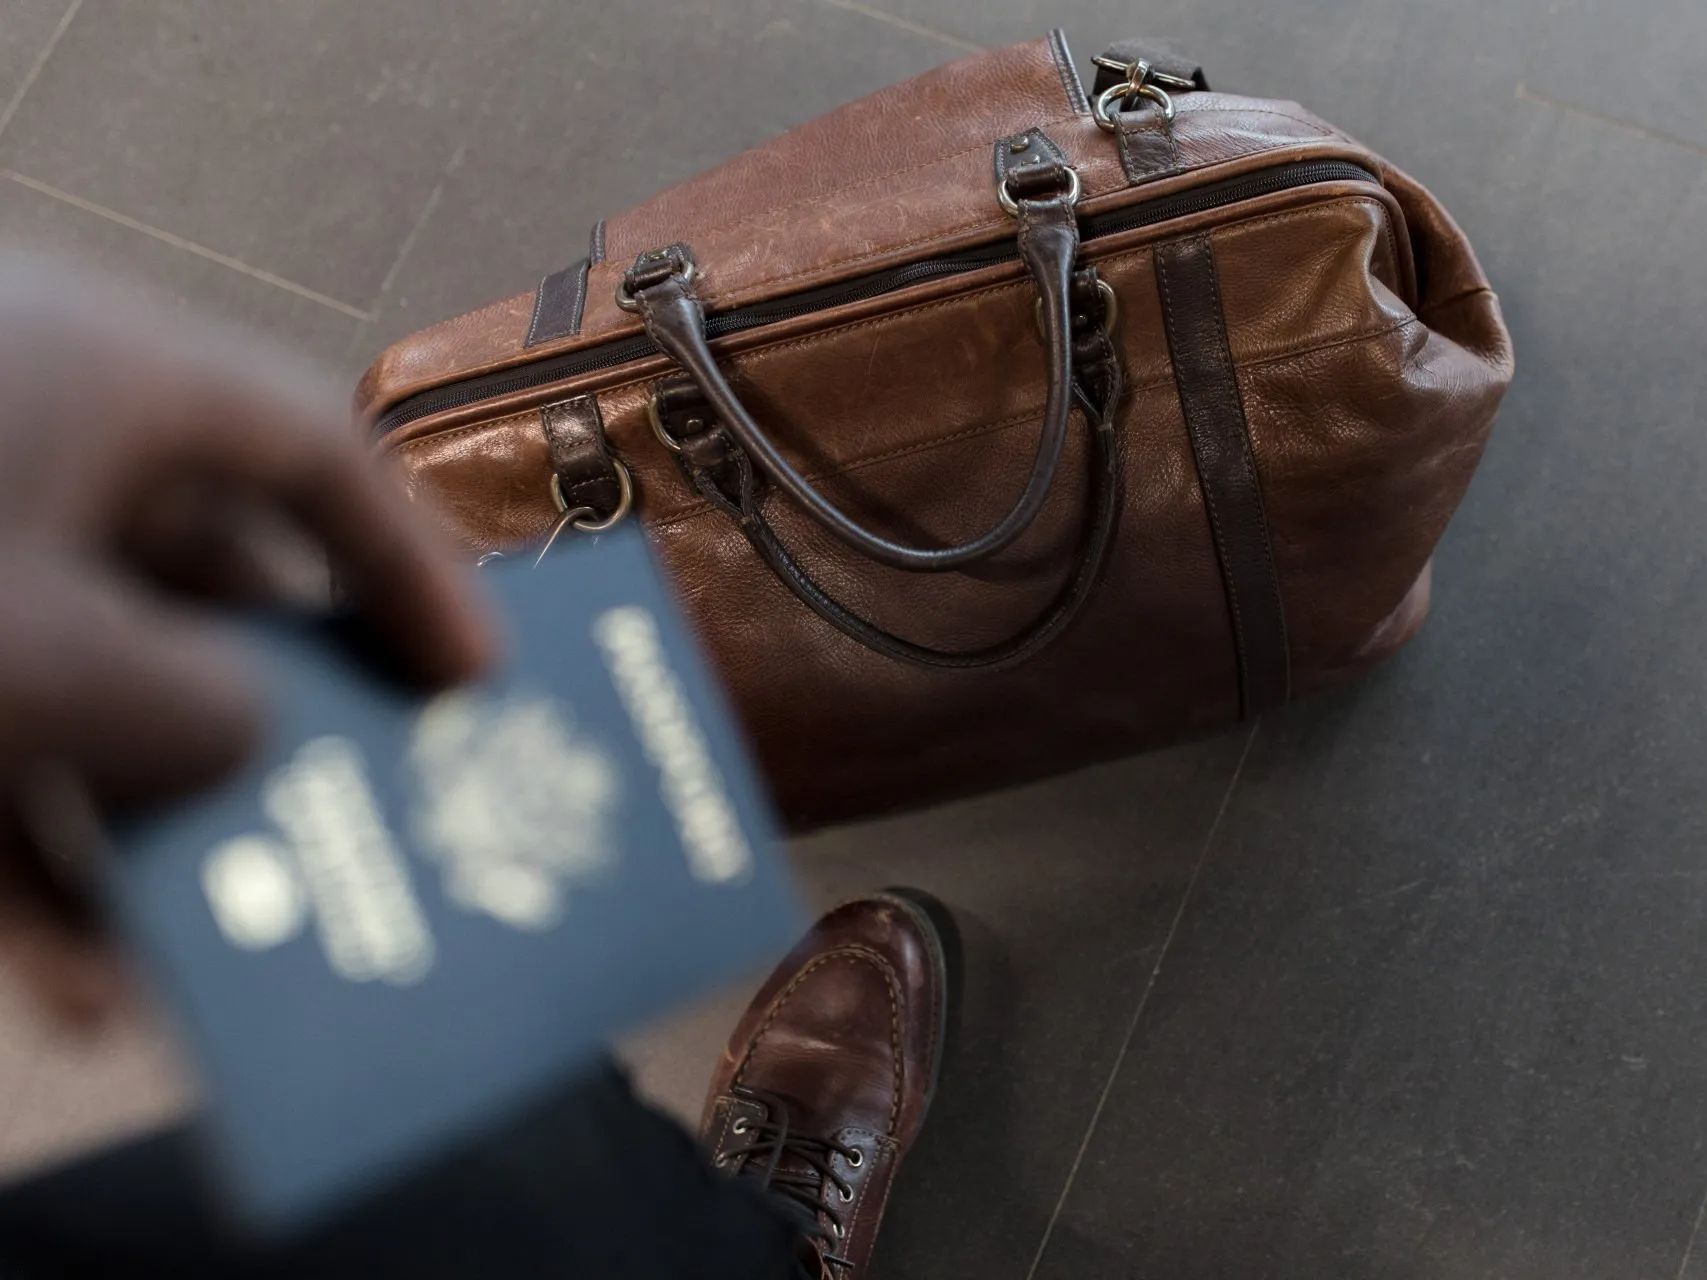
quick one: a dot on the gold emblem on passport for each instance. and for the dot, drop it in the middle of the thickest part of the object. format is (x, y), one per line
(333, 857)
(514, 807)
(507, 801)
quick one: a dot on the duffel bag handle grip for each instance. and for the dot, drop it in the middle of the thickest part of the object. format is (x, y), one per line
(660, 287)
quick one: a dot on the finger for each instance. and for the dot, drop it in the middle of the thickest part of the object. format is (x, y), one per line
(77, 977)
(169, 396)
(218, 543)
(138, 699)
(240, 422)
(67, 965)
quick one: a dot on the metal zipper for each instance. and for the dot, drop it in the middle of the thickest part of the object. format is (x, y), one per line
(457, 395)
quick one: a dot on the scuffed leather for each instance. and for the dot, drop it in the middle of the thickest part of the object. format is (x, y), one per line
(1048, 240)
(899, 175)
(1370, 359)
(847, 1030)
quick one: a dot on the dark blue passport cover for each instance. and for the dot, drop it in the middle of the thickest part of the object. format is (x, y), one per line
(410, 916)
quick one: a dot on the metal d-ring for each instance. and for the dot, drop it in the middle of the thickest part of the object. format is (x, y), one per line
(658, 429)
(1012, 205)
(625, 296)
(576, 517)
(1110, 308)
(1156, 94)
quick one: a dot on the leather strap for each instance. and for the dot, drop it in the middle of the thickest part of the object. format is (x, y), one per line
(1145, 137)
(720, 470)
(1220, 442)
(558, 305)
(586, 473)
(562, 296)
(1143, 133)
(660, 286)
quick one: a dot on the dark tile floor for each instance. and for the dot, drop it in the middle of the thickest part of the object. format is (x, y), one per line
(1410, 981)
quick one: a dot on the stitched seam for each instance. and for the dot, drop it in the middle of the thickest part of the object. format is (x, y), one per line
(894, 1160)
(576, 307)
(886, 176)
(538, 302)
(891, 174)
(754, 355)
(859, 464)
(723, 1134)
(596, 250)
(1393, 250)
(1230, 590)
(1275, 357)
(1129, 162)
(1068, 72)
(1322, 128)
(696, 510)
(982, 224)
(889, 981)
(1247, 457)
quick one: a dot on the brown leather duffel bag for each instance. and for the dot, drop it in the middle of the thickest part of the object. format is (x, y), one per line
(987, 426)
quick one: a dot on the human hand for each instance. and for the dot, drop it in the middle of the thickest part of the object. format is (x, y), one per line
(149, 467)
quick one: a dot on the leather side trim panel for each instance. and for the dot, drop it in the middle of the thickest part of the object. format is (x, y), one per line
(558, 306)
(1220, 442)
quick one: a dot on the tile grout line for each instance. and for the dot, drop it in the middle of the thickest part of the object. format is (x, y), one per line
(40, 62)
(187, 246)
(437, 194)
(1689, 1248)
(895, 20)
(1525, 94)
(1143, 1001)
(407, 246)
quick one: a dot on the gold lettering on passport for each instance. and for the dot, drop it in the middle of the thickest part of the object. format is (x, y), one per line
(258, 899)
(512, 803)
(369, 921)
(689, 781)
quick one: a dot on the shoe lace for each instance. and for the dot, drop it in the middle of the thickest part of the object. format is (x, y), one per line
(794, 1167)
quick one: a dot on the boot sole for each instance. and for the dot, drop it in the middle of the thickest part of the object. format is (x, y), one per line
(942, 935)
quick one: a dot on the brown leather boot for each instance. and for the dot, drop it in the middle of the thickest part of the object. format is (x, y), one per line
(826, 1080)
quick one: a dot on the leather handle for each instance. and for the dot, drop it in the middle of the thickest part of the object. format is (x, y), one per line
(660, 287)
(721, 472)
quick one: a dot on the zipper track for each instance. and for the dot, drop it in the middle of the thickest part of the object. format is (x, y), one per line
(457, 395)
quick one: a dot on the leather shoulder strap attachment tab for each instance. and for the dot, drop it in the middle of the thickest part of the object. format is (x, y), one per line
(581, 457)
(1134, 100)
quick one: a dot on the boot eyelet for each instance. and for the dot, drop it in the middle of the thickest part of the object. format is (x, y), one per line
(856, 1159)
(740, 1126)
(846, 1194)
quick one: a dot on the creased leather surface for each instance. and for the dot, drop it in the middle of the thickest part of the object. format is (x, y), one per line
(846, 1030)
(895, 176)
(1370, 358)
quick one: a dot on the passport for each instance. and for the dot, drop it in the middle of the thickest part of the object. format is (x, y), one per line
(410, 916)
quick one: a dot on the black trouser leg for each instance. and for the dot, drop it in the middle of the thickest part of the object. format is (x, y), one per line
(592, 1183)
